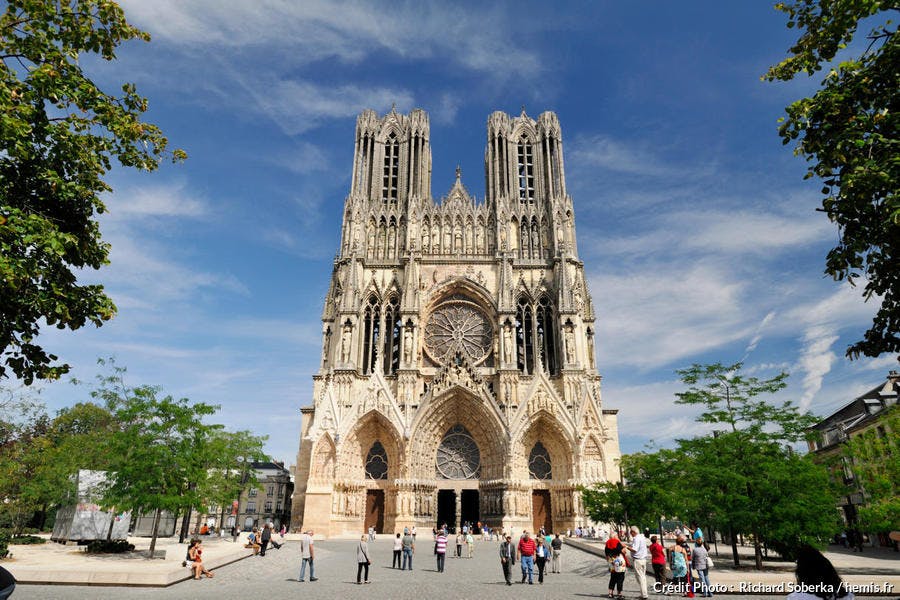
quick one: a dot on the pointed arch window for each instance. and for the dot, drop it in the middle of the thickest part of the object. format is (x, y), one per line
(525, 169)
(372, 324)
(392, 328)
(391, 170)
(524, 337)
(546, 332)
(377, 462)
(539, 466)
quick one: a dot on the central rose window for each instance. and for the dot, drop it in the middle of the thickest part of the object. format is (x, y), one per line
(458, 326)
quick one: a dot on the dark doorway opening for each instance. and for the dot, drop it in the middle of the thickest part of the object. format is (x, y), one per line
(469, 507)
(375, 510)
(540, 507)
(446, 513)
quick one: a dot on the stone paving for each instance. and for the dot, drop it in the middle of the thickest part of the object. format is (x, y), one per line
(275, 576)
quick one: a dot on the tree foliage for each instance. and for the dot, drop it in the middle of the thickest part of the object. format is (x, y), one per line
(875, 458)
(59, 134)
(849, 132)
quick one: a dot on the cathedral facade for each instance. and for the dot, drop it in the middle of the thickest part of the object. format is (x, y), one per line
(457, 379)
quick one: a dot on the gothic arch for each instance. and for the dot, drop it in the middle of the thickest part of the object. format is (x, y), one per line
(546, 429)
(354, 449)
(324, 459)
(449, 409)
(593, 463)
(473, 291)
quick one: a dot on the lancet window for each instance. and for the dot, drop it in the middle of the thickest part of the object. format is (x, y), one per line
(371, 330)
(377, 462)
(392, 328)
(525, 168)
(547, 335)
(539, 466)
(391, 170)
(525, 337)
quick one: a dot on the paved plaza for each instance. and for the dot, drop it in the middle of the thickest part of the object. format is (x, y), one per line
(275, 576)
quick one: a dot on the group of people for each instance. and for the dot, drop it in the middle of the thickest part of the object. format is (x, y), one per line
(259, 541)
(682, 557)
(531, 553)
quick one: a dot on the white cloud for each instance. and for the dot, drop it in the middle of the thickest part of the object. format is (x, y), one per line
(157, 200)
(605, 152)
(816, 360)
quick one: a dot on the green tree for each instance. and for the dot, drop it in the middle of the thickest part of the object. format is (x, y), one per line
(875, 458)
(746, 464)
(849, 132)
(59, 133)
(229, 471)
(161, 454)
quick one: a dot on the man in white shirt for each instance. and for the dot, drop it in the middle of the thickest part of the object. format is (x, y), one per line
(639, 555)
(307, 553)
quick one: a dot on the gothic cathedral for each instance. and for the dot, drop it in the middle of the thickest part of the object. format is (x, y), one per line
(457, 381)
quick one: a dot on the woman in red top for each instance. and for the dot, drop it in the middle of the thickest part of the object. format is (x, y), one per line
(658, 560)
(613, 545)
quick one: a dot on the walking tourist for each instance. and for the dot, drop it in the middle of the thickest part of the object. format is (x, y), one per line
(409, 547)
(658, 560)
(639, 556)
(526, 550)
(307, 554)
(540, 558)
(459, 543)
(470, 544)
(817, 576)
(362, 560)
(617, 567)
(265, 537)
(398, 551)
(556, 550)
(371, 534)
(507, 559)
(700, 563)
(413, 532)
(613, 545)
(440, 549)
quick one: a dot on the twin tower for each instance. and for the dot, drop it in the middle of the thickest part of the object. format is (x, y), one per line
(457, 380)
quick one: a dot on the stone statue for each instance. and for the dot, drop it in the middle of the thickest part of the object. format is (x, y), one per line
(570, 345)
(345, 345)
(507, 344)
(407, 345)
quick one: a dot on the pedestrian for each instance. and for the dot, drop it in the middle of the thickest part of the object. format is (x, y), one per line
(459, 543)
(362, 560)
(613, 545)
(507, 559)
(639, 556)
(817, 579)
(470, 544)
(556, 551)
(658, 561)
(235, 532)
(540, 558)
(526, 550)
(680, 556)
(617, 567)
(307, 554)
(700, 563)
(440, 549)
(398, 550)
(409, 548)
(371, 534)
(265, 537)
(695, 530)
(272, 541)
(413, 532)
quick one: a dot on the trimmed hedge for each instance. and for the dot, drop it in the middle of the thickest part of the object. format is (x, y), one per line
(109, 547)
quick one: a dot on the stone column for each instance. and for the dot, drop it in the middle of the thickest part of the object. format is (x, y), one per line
(458, 510)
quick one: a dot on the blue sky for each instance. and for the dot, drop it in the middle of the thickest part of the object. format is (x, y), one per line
(700, 239)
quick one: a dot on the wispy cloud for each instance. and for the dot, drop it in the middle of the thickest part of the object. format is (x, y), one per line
(155, 200)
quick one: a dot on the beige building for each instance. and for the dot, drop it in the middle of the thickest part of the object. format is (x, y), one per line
(457, 380)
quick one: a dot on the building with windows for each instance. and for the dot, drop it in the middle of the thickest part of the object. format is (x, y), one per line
(457, 379)
(864, 414)
(269, 502)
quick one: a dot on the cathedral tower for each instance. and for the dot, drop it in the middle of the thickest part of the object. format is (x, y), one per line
(457, 380)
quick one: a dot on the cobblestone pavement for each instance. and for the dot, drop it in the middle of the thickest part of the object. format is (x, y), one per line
(275, 576)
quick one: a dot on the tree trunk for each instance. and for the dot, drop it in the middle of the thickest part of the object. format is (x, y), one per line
(734, 550)
(757, 550)
(43, 520)
(155, 530)
(185, 525)
(112, 521)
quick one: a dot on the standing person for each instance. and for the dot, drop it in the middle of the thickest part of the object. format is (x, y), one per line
(307, 554)
(680, 557)
(371, 534)
(362, 560)
(459, 543)
(398, 550)
(817, 574)
(699, 558)
(526, 550)
(470, 544)
(440, 549)
(616, 572)
(639, 555)
(556, 559)
(413, 532)
(235, 532)
(695, 530)
(409, 548)
(507, 558)
(613, 545)
(265, 537)
(658, 560)
(540, 558)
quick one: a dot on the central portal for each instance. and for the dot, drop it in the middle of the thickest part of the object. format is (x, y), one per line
(469, 508)
(446, 509)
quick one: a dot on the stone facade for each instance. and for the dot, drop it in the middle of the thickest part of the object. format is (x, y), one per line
(457, 379)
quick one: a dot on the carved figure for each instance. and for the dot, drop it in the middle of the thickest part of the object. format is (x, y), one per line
(345, 344)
